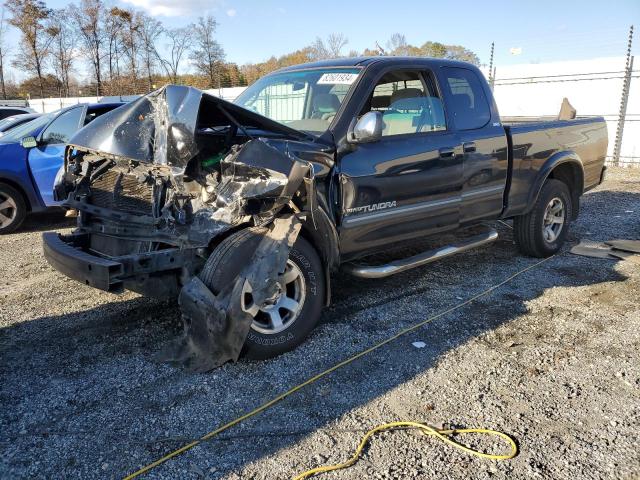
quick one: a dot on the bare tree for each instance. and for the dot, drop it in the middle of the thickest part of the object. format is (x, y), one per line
(397, 45)
(330, 48)
(318, 50)
(89, 17)
(28, 17)
(113, 27)
(149, 30)
(129, 37)
(3, 52)
(63, 47)
(179, 43)
(207, 55)
(335, 43)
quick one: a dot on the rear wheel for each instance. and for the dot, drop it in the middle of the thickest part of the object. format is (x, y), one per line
(542, 231)
(284, 321)
(13, 208)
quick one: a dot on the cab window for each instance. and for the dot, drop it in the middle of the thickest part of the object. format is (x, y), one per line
(409, 103)
(469, 104)
(63, 127)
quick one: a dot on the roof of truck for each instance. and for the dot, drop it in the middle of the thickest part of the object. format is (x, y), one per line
(365, 61)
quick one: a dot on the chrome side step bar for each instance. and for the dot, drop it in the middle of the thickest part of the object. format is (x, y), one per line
(397, 266)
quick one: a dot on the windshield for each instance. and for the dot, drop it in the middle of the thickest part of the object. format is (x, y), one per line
(18, 133)
(306, 100)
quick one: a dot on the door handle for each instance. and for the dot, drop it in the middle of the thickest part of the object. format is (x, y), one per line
(447, 152)
(469, 147)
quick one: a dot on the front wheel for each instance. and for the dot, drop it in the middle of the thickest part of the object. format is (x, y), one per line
(542, 231)
(285, 321)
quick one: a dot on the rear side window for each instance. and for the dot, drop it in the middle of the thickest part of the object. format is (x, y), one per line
(469, 104)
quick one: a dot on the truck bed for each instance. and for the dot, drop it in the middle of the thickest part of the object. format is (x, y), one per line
(533, 140)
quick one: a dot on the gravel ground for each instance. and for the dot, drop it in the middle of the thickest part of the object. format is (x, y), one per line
(552, 357)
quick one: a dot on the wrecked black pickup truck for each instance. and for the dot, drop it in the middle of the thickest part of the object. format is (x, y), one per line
(244, 209)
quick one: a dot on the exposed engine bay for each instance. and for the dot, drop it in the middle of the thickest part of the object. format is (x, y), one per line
(156, 181)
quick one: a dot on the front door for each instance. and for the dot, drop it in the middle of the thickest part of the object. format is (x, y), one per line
(47, 158)
(408, 184)
(484, 142)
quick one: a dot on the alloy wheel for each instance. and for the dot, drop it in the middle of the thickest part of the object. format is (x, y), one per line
(554, 218)
(278, 314)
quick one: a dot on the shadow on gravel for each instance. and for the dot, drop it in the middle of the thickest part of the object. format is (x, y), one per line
(51, 219)
(136, 410)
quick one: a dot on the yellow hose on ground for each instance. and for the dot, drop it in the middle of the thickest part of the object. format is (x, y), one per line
(320, 375)
(427, 430)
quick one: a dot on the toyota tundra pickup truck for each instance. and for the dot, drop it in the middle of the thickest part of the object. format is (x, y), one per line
(243, 210)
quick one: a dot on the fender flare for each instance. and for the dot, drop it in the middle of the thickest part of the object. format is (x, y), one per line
(555, 160)
(324, 238)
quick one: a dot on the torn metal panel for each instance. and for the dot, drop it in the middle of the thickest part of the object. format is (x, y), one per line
(256, 180)
(610, 250)
(215, 326)
(162, 127)
(626, 245)
(588, 248)
(157, 128)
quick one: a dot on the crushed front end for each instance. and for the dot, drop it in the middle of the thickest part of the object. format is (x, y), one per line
(157, 181)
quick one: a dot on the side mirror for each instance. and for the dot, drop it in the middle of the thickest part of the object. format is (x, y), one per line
(29, 142)
(367, 129)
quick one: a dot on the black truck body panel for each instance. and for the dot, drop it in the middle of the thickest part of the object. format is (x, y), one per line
(358, 198)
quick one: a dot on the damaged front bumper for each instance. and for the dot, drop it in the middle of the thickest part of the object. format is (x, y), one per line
(155, 274)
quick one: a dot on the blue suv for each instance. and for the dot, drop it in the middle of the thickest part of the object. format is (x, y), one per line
(31, 155)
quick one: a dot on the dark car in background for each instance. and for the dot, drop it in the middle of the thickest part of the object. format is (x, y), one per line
(31, 155)
(11, 111)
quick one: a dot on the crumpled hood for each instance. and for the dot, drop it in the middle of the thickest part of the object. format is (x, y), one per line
(161, 127)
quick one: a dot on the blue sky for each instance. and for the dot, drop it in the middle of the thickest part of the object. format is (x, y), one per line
(253, 30)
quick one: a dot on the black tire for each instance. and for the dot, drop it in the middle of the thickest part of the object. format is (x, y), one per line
(16, 213)
(226, 262)
(529, 229)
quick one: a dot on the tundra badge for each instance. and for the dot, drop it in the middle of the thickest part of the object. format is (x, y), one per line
(372, 208)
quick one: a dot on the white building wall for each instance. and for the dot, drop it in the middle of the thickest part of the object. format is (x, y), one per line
(594, 87)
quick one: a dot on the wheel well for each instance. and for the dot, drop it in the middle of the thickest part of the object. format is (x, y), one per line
(305, 233)
(571, 175)
(20, 190)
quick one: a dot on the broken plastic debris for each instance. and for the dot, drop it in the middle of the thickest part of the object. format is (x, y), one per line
(626, 245)
(419, 344)
(628, 250)
(215, 326)
(588, 248)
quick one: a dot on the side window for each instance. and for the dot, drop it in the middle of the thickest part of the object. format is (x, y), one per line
(408, 103)
(63, 127)
(469, 104)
